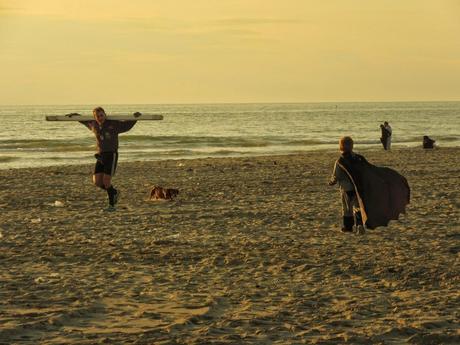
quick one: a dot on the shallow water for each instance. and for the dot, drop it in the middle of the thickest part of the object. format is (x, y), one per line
(217, 130)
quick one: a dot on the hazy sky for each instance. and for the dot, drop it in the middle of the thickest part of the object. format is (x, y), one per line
(193, 51)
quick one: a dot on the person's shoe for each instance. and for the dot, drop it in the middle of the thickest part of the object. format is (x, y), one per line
(110, 208)
(346, 230)
(360, 230)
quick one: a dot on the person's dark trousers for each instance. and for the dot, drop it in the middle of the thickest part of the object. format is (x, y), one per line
(359, 219)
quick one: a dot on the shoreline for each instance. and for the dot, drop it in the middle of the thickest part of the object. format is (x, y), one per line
(365, 150)
(249, 252)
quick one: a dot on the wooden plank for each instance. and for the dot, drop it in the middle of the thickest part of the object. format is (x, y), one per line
(78, 117)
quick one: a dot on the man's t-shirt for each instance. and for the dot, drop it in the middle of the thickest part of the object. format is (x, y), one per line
(107, 134)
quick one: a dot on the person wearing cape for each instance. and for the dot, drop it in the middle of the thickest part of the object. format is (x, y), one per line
(377, 195)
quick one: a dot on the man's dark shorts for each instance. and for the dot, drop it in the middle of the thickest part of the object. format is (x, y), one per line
(106, 163)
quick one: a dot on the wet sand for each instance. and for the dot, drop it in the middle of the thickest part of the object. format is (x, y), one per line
(249, 253)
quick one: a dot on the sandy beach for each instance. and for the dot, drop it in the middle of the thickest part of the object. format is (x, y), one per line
(249, 253)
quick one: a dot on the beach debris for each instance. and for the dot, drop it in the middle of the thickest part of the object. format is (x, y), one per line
(166, 240)
(39, 280)
(53, 276)
(172, 236)
(160, 193)
(58, 203)
(36, 220)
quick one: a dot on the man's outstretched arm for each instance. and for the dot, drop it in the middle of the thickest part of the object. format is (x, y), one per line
(87, 124)
(124, 126)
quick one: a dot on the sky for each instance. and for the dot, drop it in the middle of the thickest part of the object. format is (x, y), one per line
(215, 51)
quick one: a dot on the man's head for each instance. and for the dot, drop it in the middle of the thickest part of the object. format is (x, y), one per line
(99, 115)
(386, 123)
(346, 145)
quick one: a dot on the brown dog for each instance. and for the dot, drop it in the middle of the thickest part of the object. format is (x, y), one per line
(160, 193)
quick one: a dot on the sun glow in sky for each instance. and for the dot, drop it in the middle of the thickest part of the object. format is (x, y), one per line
(182, 51)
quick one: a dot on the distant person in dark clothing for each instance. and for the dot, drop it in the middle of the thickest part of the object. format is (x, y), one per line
(386, 135)
(390, 134)
(383, 136)
(350, 204)
(106, 132)
(428, 143)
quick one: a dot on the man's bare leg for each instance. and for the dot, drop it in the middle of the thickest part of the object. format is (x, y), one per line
(98, 180)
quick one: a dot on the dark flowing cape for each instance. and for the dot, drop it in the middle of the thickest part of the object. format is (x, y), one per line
(382, 192)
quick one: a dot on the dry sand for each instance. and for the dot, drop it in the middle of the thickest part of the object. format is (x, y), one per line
(249, 253)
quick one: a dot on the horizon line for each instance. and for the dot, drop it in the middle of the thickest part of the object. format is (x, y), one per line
(223, 103)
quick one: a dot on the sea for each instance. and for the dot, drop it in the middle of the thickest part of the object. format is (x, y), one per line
(222, 130)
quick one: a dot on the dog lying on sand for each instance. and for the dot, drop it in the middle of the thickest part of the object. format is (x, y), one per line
(160, 193)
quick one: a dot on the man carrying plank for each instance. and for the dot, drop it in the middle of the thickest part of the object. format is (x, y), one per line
(106, 132)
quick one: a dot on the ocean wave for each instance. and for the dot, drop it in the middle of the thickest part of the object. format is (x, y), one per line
(223, 141)
(256, 141)
(53, 145)
(180, 144)
(419, 138)
(193, 141)
(7, 159)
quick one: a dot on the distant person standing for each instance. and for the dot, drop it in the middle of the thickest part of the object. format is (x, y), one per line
(389, 131)
(383, 136)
